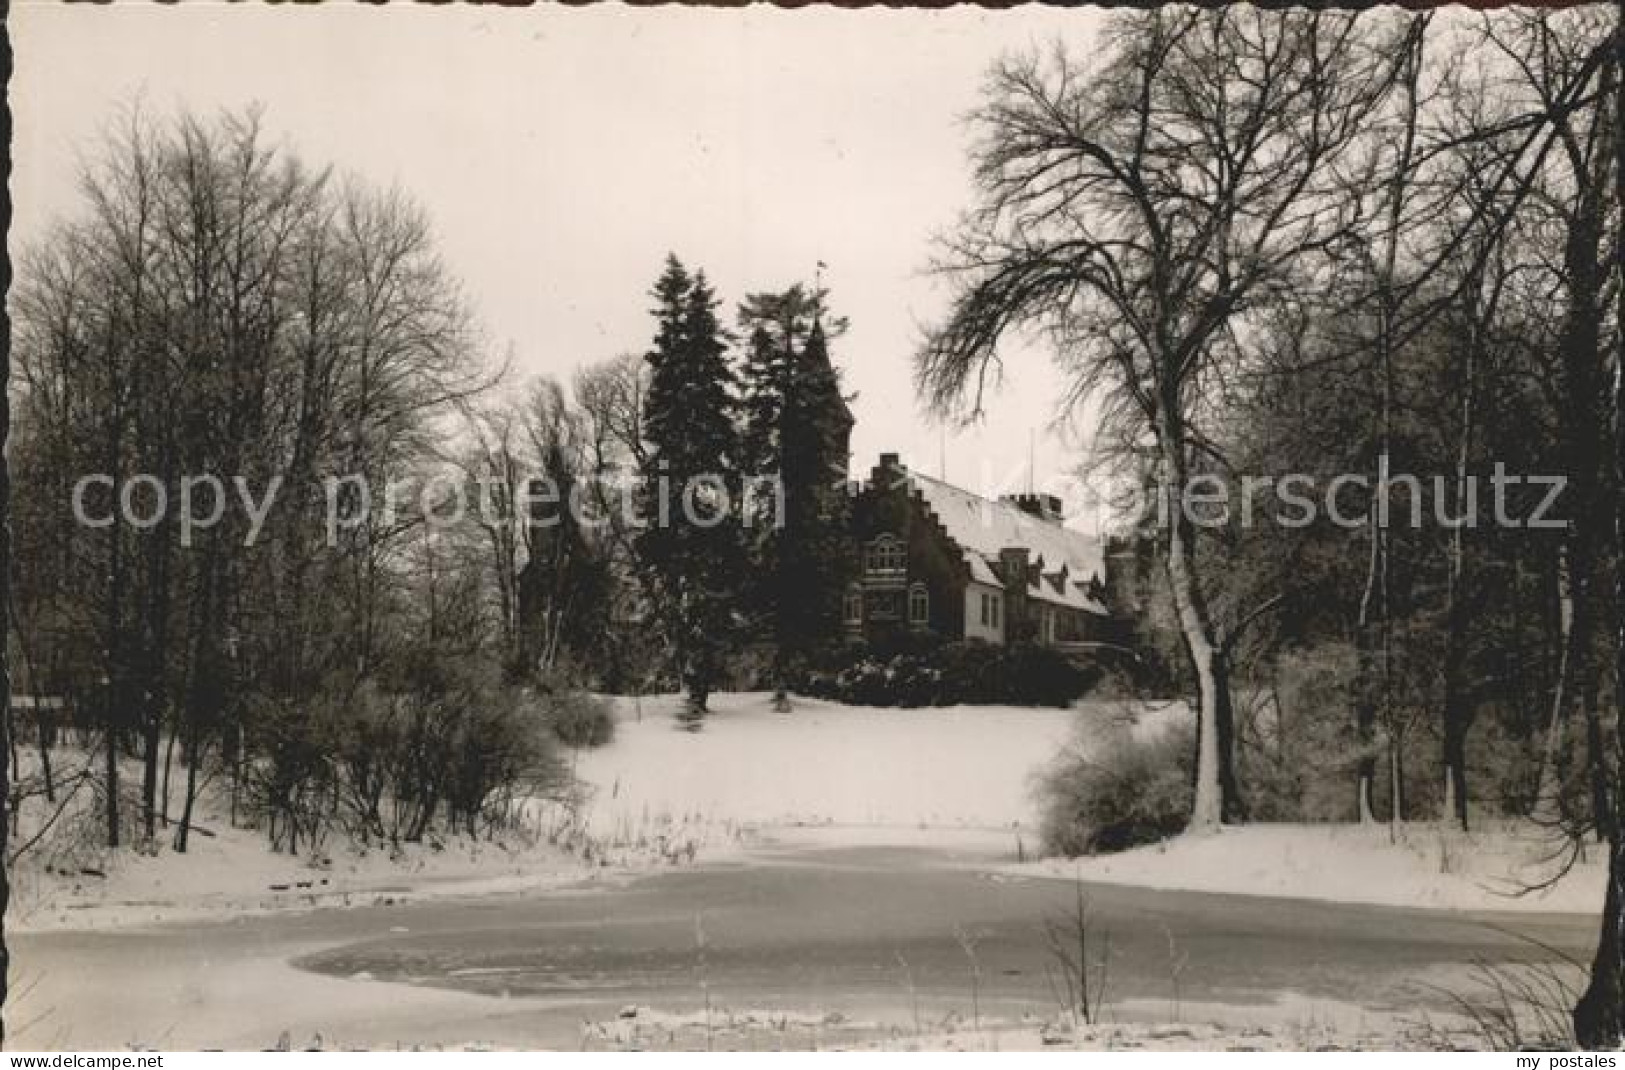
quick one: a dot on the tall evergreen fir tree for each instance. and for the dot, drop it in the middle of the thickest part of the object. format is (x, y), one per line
(690, 545)
(797, 427)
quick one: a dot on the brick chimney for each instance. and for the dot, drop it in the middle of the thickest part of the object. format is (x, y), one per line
(1045, 507)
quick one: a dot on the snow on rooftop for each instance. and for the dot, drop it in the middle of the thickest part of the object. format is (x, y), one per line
(983, 527)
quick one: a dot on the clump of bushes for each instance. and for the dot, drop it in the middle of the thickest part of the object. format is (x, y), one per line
(429, 746)
(1105, 796)
(975, 673)
(580, 718)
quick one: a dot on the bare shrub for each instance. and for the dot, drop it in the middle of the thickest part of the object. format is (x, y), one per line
(1515, 1007)
(292, 788)
(1100, 797)
(1079, 964)
(441, 745)
(580, 718)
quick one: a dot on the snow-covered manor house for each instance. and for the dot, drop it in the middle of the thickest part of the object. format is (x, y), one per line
(933, 557)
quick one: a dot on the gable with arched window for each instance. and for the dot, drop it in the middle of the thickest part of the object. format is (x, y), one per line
(885, 554)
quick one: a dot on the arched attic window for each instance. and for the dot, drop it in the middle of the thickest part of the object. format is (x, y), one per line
(885, 554)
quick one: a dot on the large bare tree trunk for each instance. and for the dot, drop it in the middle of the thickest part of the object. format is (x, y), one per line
(1375, 638)
(1599, 1017)
(1370, 652)
(1551, 759)
(1585, 434)
(1218, 798)
(5, 532)
(110, 705)
(155, 699)
(1456, 707)
(42, 727)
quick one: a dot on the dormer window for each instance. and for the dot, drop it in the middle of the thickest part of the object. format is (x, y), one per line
(885, 554)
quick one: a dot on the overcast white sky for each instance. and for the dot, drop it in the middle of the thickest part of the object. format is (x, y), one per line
(562, 152)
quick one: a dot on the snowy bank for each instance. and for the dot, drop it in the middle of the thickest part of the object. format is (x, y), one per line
(1290, 1023)
(959, 767)
(1498, 867)
(234, 872)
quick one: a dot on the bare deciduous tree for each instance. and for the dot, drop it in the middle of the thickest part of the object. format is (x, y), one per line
(1137, 213)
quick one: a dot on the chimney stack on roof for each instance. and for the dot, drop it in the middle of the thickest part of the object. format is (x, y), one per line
(1045, 507)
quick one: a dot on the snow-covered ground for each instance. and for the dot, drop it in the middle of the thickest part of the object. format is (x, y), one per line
(70, 880)
(833, 774)
(658, 795)
(823, 764)
(1289, 1025)
(823, 774)
(234, 872)
(1499, 867)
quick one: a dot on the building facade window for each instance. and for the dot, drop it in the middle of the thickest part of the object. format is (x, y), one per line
(990, 609)
(886, 605)
(852, 608)
(885, 554)
(919, 605)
